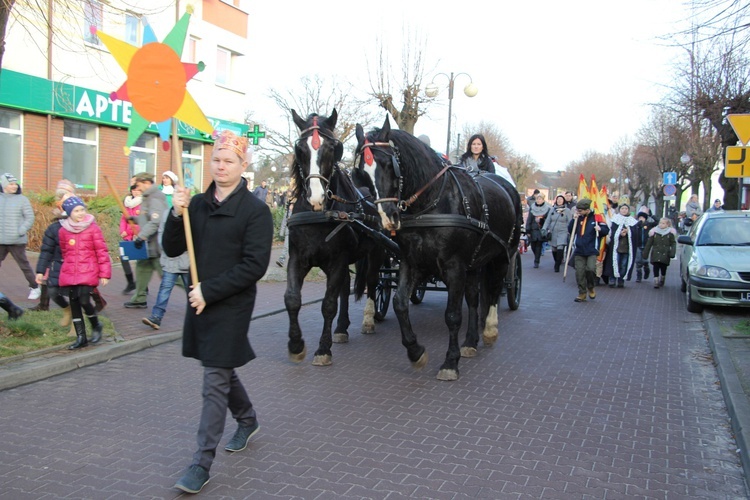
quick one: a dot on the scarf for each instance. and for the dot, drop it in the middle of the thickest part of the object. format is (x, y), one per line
(539, 210)
(167, 190)
(132, 201)
(77, 227)
(665, 231)
(621, 220)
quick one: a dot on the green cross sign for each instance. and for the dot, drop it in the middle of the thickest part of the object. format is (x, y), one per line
(255, 135)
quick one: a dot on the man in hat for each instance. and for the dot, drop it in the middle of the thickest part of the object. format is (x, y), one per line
(16, 218)
(153, 206)
(588, 233)
(232, 233)
(716, 207)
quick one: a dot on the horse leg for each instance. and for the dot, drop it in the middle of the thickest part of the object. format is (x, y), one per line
(491, 289)
(341, 334)
(293, 302)
(336, 279)
(416, 353)
(456, 287)
(374, 263)
(469, 348)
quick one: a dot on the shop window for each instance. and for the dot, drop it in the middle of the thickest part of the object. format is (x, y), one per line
(192, 165)
(93, 16)
(11, 140)
(142, 156)
(80, 153)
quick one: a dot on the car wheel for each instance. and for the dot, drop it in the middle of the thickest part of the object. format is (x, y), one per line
(692, 306)
(683, 285)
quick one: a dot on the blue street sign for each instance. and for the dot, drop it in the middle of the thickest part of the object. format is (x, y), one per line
(670, 178)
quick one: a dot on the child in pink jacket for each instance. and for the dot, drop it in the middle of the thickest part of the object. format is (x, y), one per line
(86, 265)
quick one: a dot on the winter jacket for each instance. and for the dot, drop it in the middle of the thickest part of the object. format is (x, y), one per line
(557, 225)
(84, 251)
(534, 227)
(129, 229)
(153, 206)
(16, 218)
(232, 242)
(586, 241)
(661, 247)
(50, 255)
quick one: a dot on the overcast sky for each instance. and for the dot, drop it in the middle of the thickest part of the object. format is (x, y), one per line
(557, 78)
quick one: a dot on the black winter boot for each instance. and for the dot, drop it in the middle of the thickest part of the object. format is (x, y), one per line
(43, 304)
(96, 329)
(646, 273)
(14, 312)
(131, 284)
(81, 340)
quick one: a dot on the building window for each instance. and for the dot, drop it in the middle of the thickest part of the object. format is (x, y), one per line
(192, 165)
(80, 152)
(192, 50)
(93, 16)
(133, 30)
(143, 155)
(223, 66)
(11, 139)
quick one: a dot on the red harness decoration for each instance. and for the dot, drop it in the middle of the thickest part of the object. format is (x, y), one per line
(315, 136)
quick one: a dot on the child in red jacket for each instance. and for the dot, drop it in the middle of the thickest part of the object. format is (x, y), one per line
(86, 264)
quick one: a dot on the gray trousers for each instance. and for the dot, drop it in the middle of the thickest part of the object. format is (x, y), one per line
(19, 255)
(222, 389)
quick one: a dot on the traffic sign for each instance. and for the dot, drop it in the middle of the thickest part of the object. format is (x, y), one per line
(741, 126)
(670, 190)
(738, 162)
(670, 178)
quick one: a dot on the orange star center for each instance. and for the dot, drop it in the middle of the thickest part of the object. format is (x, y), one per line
(156, 82)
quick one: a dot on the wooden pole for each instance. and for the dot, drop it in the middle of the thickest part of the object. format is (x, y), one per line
(119, 201)
(177, 162)
(570, 249)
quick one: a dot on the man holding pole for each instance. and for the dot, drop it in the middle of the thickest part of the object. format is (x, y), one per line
(154, 204)
(585, 233)
(232, 232)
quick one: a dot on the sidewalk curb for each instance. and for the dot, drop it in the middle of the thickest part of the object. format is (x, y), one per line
(738, 405)
(33, 367)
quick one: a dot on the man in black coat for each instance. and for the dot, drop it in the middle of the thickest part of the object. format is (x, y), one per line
(232, 230)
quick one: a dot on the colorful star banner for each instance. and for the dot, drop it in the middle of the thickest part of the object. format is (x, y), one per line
(156, 82)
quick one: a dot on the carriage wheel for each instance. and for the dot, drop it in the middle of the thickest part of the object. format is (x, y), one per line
(514, 283)
(382, 297)
(417, 296)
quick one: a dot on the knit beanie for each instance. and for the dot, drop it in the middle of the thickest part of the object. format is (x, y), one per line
(171, 175)
(65, 185)
(6, 179)
(72, 202)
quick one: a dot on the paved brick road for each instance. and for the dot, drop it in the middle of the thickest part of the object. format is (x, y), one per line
(615, 398)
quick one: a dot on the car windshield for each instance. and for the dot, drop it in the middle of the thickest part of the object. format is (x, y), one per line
(725, 232)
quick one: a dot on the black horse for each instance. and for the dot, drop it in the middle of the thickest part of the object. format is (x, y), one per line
(460, 228)
(326, 229)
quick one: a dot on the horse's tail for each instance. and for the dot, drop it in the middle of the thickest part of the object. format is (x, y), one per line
(360, 277)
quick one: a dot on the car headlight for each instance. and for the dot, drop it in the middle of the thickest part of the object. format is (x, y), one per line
(713, 272)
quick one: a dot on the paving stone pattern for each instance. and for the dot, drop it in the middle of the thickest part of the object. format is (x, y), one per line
(613, 398)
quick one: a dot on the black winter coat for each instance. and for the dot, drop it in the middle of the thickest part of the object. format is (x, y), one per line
(50, 254)
(232, 250)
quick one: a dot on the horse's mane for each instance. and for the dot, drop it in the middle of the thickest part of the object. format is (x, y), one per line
(417, 161)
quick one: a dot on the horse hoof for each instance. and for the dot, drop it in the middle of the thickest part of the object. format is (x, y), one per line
(322, 360)
(447, 375)
(421, 362)
(468, 352)
(489, 340)
(340, 338)
(368, 329)
(299, 357)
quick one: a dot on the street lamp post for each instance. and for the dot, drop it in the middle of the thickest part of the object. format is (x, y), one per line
(620, 181)
(432, 90)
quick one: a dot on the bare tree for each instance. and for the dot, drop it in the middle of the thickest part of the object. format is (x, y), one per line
(719, 19)
(523, 169)
(313, 95)
(593, 163)
(405, 102)
(6, 6)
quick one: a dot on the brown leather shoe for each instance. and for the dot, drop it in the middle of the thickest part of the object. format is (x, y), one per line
(581, 298)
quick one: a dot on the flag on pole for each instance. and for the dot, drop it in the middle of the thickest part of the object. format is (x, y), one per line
(583, 190)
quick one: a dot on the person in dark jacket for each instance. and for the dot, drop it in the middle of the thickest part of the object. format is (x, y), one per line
(538, 213)
(233, 232)
(640, 237)
(662, 247)
(588, 233)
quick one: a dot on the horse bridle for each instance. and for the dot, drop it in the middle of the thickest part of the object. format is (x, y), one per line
(402, 204)
(316, 133)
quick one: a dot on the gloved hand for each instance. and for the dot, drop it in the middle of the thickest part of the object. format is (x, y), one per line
(138, 243)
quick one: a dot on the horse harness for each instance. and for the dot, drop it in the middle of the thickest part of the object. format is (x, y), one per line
(423, 219)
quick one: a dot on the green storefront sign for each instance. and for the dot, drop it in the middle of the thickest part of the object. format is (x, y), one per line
(39, 95)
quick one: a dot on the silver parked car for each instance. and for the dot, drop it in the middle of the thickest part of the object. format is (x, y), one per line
(715, 260)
